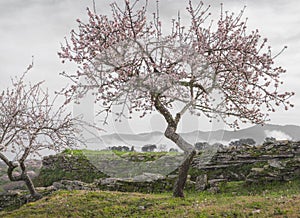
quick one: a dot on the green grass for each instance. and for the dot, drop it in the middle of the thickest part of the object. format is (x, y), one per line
(235, 200)
(131, 155)
(143, 156)
(275, 188)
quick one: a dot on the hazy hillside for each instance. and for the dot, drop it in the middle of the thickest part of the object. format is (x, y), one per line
(258, 133)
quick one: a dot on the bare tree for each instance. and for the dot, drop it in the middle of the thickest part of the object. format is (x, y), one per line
(29, 123)
(218, 70)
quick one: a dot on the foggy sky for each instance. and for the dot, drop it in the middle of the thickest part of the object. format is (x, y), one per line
(37, 27)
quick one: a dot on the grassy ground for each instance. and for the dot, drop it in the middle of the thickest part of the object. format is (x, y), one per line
(235, 200)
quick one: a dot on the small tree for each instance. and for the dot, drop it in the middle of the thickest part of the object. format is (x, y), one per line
(28, 124)
(217, 70)
(173, 150)
(201, 145)
(247, 141)
(149, 148)
(269, 140)
(119, 148)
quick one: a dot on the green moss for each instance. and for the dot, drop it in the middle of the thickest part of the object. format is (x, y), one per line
(141, 156)
(79, 168)
(73, 152)
(254, 152)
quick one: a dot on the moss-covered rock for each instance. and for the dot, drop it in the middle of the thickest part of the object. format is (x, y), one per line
(69, 165)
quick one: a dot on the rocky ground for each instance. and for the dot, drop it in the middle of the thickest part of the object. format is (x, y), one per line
(213, 167)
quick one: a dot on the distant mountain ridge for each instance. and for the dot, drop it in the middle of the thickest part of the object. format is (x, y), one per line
(257, 132)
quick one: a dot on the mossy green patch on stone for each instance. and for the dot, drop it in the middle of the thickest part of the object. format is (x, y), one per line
(66, 166)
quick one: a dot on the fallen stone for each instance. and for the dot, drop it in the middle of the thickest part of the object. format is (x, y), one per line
(276, 164)
(147, 177)
(201, 183)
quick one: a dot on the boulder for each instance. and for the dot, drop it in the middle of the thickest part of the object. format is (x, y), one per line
(73, 185)
(147, 177)
(201, 182)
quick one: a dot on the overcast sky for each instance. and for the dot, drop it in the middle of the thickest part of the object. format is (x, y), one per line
(36, 28)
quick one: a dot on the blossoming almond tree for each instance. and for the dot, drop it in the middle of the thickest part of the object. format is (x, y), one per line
(29, 124)
(219, 70)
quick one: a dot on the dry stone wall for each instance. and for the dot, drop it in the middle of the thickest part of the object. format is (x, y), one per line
(272, 161)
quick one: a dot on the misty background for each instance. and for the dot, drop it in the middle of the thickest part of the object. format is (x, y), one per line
(36, 28)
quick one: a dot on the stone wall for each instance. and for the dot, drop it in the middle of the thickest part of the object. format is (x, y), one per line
(14, 199)
(273, 161)
(156, 184)
(11, 200)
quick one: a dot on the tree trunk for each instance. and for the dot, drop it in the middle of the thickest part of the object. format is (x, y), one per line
(190, 151)
(171, 134)
(23, 177)
(182, 175)
(31, 187)
(28, 182)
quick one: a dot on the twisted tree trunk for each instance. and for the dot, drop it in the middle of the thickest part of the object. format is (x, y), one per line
(23, 177)
(188, 149)
(29, 182)
(182, 175)
(190, 152)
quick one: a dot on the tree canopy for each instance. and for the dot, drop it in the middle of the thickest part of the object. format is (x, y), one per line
(223, 69)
